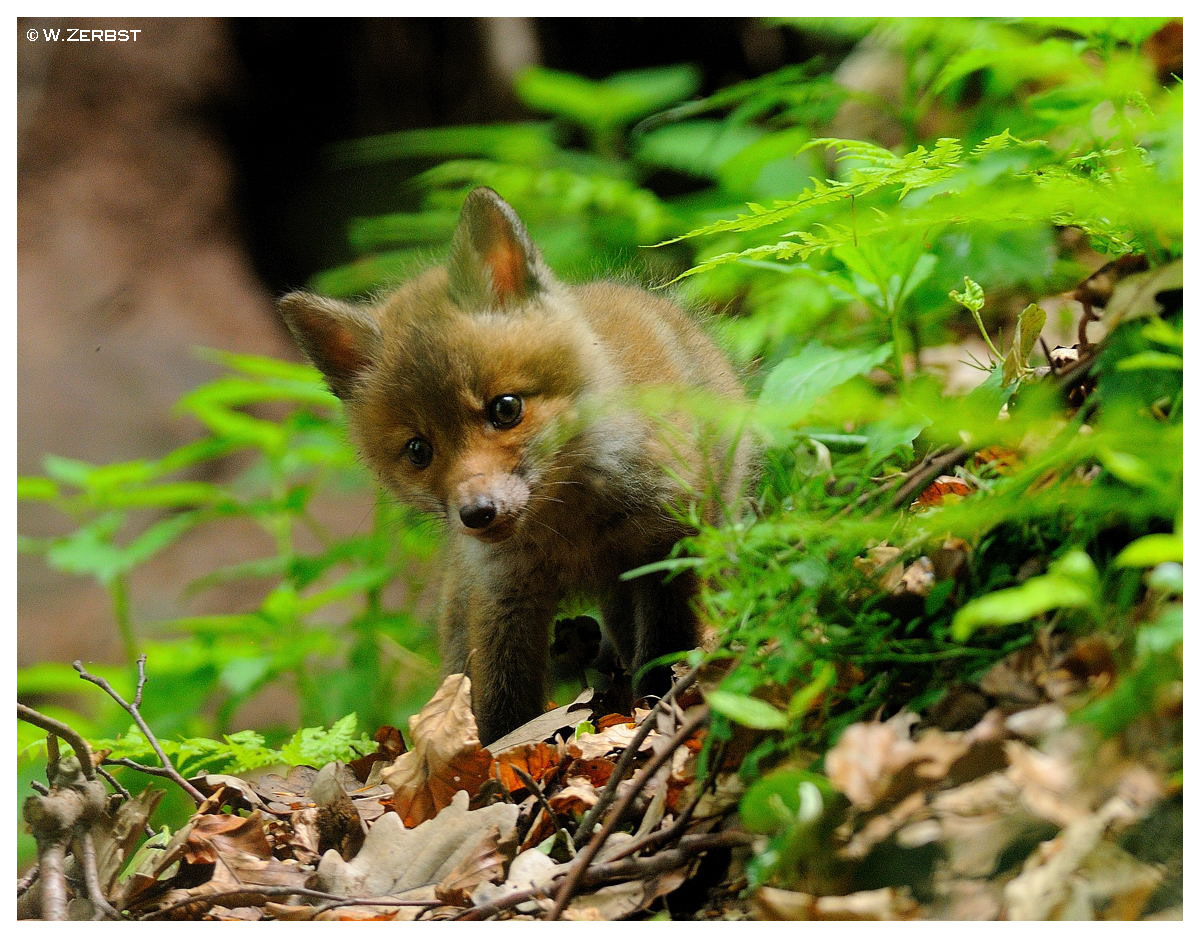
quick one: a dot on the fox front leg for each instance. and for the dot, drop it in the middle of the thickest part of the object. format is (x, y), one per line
(507, 649)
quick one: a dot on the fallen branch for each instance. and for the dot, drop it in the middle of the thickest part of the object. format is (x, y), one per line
(621, 869)
(625, 763)
(215, 898)
(579, 867)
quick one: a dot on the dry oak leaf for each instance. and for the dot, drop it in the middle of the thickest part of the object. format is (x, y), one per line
(617, 736)
(876, 905)
(397, 862)
(214, 835)
(877, 763)
(486, 863)
(446, 755)
(1080, 876)
(541, 728)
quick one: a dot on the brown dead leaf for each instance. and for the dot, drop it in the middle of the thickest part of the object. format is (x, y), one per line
(534, 759)
(613, 903)
(876, 905)
(1075, 875)
(530, 869)
(575, 797)
(391, 746)
(600, 744)
(881, 563)
(878, 763)
(214, 835)
(486, 863)
(399, 863)
(446, 756)
(940, 489)
(918, 578)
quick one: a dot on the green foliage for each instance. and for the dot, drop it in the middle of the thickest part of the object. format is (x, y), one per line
(315, 617)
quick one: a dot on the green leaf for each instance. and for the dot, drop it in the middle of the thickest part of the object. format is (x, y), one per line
(801, 381)
(747, 711)
(317, 746)
(36, 488)
(1151, 550)
(1030, 322)
(1070, 583)
(784, 798)
(1130, 469)
(1151, 359)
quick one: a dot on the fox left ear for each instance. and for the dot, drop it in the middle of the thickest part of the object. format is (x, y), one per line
(493, 261)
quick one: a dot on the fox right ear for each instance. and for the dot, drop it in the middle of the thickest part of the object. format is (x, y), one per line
(340, 339)
(493, 261)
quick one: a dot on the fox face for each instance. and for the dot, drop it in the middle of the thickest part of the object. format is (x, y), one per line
(463, 388)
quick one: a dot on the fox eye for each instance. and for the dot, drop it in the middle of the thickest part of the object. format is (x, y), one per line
(505, 411)
(419, 451)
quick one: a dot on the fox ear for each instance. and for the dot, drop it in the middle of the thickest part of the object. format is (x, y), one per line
(340, 339)
(493, 261)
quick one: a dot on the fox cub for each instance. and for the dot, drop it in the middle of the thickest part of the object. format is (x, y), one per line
(503, 401)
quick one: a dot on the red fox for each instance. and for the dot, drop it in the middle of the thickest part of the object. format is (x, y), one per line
(503, 401)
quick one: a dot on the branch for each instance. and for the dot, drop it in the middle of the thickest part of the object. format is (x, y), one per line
(693, 723)
(930, 467)
(637, 868)
(625, 763)
(214, 898)
(133, 709)
(83, 752)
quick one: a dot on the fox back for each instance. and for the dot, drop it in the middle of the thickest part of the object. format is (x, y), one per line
(516, 408)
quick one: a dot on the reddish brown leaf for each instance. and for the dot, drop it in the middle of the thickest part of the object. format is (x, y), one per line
(446, 756)
(534, 759)
(939, 489)
(391, 747)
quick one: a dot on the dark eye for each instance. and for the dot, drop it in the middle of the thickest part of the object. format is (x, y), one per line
(505, 411)
(419, 451)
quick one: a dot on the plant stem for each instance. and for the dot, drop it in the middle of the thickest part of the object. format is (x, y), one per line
(118, 589)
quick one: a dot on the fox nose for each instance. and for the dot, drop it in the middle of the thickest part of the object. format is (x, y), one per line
(478, 514)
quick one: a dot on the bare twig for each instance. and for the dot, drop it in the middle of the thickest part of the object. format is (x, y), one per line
(625, 763)
(83, 752)
(39, 787)
(930, 467)
(667, 834)
(215, 898)
(133, 710)
(536, 790)
(27, 880)
(155, 770)
(579, 867)
(688, 848)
